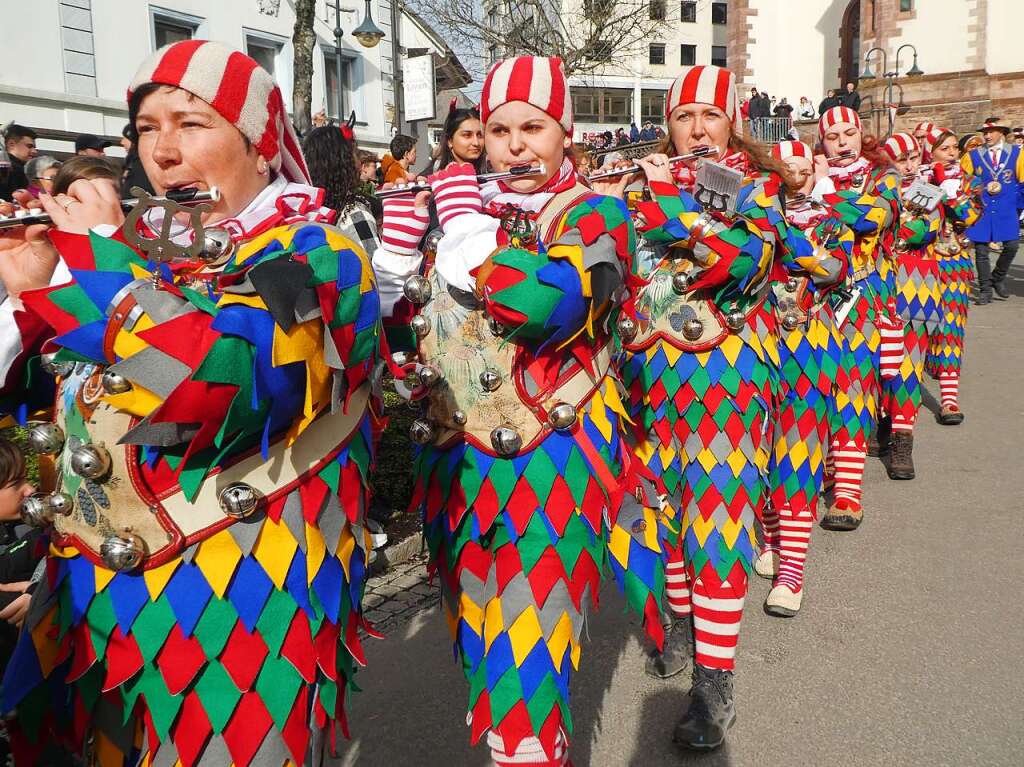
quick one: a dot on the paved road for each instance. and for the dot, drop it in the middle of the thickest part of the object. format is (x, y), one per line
(909, 650)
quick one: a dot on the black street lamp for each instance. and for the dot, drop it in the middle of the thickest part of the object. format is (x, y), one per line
(368, 34)
(891, 78)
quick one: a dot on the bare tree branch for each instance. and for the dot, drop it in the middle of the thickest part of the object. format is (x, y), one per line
(590, 36)
(303, 40)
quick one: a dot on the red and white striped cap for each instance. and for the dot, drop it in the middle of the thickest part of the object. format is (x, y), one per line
(836, 116)
(924, 127)
(899, 144)
(786, 149)
(537, 80)
(935, 133)
(705, 84)
(237, 87)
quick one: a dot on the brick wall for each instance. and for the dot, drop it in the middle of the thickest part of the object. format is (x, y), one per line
(739, 28)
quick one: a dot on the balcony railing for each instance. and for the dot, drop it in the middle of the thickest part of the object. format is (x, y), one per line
(771, 130)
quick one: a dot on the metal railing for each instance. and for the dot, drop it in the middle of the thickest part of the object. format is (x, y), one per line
(771, 130)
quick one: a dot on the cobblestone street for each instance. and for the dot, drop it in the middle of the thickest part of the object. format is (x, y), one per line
(396, 596)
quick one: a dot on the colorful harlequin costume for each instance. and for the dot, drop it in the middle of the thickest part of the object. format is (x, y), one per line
(203, 598)
(522, 475)
(866, 199)
(703, 377)
(956, 269)
(810, 356)
(917, 301)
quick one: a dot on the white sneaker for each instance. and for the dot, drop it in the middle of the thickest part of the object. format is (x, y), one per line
(782, 602)
(767, 564)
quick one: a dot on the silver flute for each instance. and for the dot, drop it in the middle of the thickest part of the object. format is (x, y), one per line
(704, 151)
(522, 171)
(180, 196)
(846, 154)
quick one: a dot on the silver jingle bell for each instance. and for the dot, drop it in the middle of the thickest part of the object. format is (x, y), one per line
(562, 416)
(402, 358)
(791, 285)
(35, 511)
(735, 320)
(693, 329)
(506, 441)
(496, 328)
(47, 363)
(239, 500)
(681, 282)
(857, 180)
(422, 432)
(217, 244)
(459, 418)
(420, 326)
(490, 380)
(90, 461)
(46, 438)
(430, 242)
(428, 376)
(790, 322)
(59, 505)
(627, 328)
(417, 289)
(123, 552)
(114, 383)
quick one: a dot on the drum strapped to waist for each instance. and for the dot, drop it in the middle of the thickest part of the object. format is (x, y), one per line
(119, 506)
(473, 379)
(688, 320)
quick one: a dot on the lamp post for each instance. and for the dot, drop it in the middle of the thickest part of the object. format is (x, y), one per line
(891, 77)
(368, 34)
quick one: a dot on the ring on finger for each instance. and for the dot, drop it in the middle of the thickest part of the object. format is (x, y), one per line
(68, 204)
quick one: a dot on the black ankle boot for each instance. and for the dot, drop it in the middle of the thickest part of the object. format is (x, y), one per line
(901, 464)
(879, 441)
(711, 712)
(677, 652)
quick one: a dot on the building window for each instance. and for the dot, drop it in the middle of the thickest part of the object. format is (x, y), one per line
(603, 105)
(687, 55)
(656, 54)
(264, 50)
(652, 106)
(338, 92)
(718, 55)
(906, 6)
(719, 13)
(657, 10)
(688, 12)
(617, 106)
(172, 27)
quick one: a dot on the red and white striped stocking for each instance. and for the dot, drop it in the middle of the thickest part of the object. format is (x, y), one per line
(677, 584)
(770, 525)
(892, 350)
(795, 537)
(949, 390)
(848, 460)
(716, 623)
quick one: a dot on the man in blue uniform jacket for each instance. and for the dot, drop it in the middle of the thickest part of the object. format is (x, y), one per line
(999, 166)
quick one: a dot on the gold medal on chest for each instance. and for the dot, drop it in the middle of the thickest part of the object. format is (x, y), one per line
(994, 187)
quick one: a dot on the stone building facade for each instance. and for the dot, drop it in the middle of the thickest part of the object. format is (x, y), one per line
(969, 50)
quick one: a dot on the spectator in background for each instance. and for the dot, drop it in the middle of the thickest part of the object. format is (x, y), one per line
(20, 143)
(783, 109)
(87, 167)
(621, 138)
(634, 133)
(40, 171)
(461, 141)
(648, 133)
(18, 561)
(806, 109)
(830, 100)
(330, 154)
(396, 165)
(851, 98)
(134, 174)
(368, 163)
(90, 145)
(758, 110)
(745, 109)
